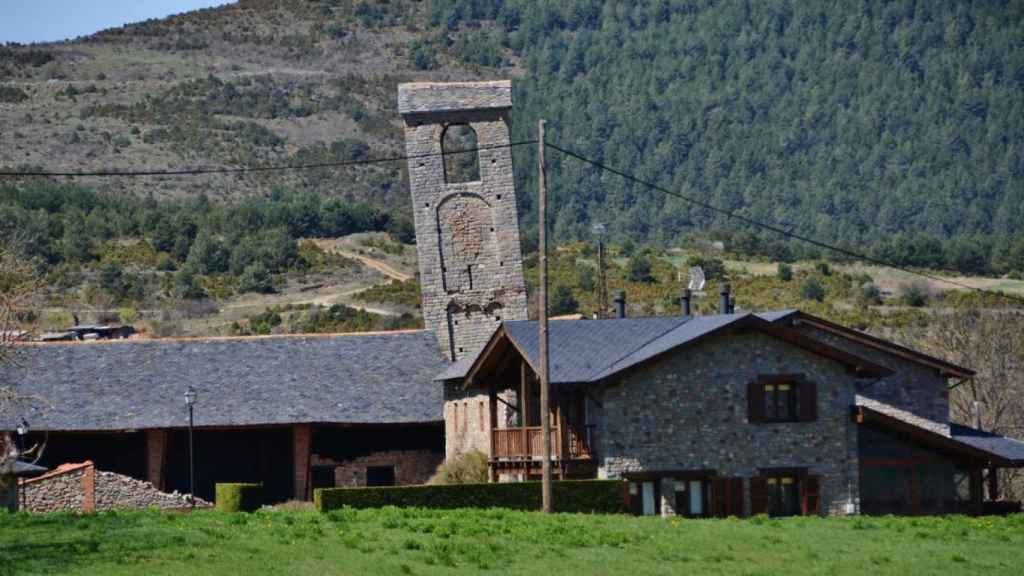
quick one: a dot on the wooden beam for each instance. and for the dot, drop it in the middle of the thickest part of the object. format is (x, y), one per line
(493, 405)
(523, 407)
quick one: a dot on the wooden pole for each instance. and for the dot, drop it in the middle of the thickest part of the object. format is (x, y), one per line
(542, 320)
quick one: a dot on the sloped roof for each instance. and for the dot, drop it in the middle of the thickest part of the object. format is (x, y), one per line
(591, 350)
(954, 437)
(135, 384)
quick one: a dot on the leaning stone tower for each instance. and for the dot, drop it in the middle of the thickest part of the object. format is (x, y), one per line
(464, 205)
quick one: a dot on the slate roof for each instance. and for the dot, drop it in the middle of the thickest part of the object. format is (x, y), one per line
(590, 350)
(1008, 451)
(135, 384)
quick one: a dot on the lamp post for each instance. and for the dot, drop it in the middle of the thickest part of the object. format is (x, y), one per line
(22, 431)
(190, 401)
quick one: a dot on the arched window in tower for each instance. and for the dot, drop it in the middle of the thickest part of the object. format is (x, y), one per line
(461, 157)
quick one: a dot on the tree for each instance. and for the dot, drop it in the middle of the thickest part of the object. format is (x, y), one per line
(208, 255)
(19, 290)
(640, 269)
(813, 289)
(255, 278)
(914, 294)
(563, 302)
(785, 272)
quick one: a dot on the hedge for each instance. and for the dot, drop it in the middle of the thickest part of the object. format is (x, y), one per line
(238, 497)
(601, 496)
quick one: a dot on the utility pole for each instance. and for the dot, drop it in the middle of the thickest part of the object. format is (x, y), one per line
(602, 282)
(542, 321)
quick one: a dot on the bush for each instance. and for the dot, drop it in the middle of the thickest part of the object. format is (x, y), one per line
(563, 302)
(869, 295)
(914, 295)
(597, 496)
(813, 290)
(640, 269)
(785, 272)
(467, 468)
(238, 497)
(823, 268)
(714, 268)
(255, 278)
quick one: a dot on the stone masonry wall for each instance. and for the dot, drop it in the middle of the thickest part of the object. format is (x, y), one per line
(411, 467)
(82, 488)
(915, 388)
(467, 233)
(688, 411)
(64, 491)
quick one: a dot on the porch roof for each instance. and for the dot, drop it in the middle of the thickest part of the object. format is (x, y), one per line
(586, 351)
(956, 438)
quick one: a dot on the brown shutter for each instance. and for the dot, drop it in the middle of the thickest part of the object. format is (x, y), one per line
(808, 394)
(811, 489)
(735, 507)
(755, 402)
(758, 495)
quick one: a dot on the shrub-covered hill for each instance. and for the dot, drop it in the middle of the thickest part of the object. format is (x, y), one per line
(895, 127)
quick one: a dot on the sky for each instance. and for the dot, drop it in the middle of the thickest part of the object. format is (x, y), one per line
(50, 20)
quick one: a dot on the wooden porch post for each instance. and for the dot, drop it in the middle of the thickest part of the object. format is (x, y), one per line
(523, 409)
(301, 444)
(493, 413)
(156, 456)
(993, 484)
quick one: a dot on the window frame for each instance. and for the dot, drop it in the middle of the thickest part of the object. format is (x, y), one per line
(791, 403)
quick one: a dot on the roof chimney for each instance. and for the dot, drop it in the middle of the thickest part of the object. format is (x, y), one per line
(723, 306)
(620, 304)
(685, 301)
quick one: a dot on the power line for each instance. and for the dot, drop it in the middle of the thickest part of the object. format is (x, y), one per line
(777, 229)
(269, 168)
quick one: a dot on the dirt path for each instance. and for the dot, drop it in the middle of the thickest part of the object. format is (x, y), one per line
(378, 265)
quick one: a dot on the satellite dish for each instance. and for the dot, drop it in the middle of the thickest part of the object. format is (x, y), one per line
(697, 279)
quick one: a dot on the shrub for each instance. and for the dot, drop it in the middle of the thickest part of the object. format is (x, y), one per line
(914, 295)
(813, 290)
(467, 468)
(714, 268)
(255, 278)
(238, 497)
(563, 302)
(640, 269)
(869, 295)
(599, 496)
(785, 272)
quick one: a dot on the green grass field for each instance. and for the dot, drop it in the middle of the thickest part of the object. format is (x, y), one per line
(410, 541)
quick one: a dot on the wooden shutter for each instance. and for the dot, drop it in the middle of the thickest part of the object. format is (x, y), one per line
(755, 402)
(808, 395)
(735, 504)
(758, 495)
(718, 497)
(811, 495)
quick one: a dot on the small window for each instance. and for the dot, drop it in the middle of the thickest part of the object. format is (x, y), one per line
(461, 155)
(480, 414)
(465, 416)
(455, 417)
(780, 402)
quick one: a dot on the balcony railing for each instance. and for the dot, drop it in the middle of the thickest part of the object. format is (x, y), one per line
(528, 443)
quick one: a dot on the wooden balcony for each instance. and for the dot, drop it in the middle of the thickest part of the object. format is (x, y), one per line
(528, 443)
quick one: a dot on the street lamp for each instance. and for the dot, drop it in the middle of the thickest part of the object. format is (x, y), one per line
(22, 430)
(190, 401)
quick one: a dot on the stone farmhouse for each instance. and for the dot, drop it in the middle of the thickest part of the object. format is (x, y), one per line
(724, 414)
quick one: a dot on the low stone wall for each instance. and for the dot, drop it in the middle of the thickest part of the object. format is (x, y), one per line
(82, 488)
(118, 491)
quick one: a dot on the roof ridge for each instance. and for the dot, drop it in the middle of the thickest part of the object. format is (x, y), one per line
(221, 338)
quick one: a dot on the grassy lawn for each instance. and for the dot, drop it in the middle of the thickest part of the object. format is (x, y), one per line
(409, 541)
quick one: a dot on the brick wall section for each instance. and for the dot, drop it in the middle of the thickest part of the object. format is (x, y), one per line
(915, 388)
(464, 429)
(61, 489)
(688, 411)
(301, 440)
(156, 456)
(467, 224)
(411, 467)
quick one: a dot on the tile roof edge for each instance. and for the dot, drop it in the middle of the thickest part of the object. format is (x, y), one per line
(602, 373)
(254, 337)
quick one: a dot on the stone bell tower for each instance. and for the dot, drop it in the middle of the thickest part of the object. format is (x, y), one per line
(464, 205)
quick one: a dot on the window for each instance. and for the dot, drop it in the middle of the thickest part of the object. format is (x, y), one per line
(480, 414)
(783, 496)
(455, 416)
(779, 402)
(782, 398)
(785, 493)
(461, 156)
(380, 475)
(691, 498)
(465, 416)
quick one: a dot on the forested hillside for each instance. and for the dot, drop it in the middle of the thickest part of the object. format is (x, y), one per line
(890, 127)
